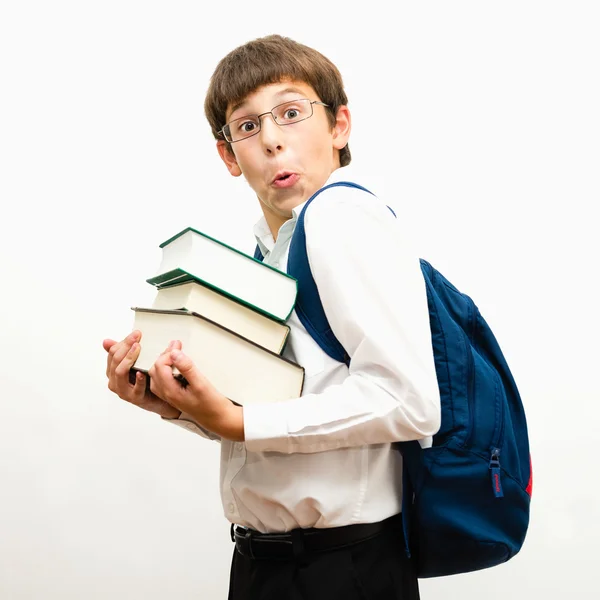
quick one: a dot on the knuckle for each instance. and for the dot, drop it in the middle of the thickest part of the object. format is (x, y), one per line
(153, 385)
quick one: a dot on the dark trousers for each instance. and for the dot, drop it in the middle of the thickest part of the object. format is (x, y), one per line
(374, 569)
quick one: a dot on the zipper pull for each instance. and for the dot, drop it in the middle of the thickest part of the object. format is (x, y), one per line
(495, 473)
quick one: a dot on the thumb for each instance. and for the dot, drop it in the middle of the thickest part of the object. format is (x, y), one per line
(186, 367)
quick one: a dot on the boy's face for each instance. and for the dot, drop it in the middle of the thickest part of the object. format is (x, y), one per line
(285, 165)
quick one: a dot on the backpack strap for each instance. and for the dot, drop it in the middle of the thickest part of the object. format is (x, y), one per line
(308, 302)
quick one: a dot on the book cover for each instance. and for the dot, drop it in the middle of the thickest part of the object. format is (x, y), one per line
(240, 369)
(192, 255)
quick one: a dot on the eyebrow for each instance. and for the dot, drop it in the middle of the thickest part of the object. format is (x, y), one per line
(288, 90)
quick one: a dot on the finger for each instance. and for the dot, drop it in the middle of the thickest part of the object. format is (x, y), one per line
(162, 359)
(154, 384)
(122, 369)
(107, 344)
(162, 384)
(139, 388)
(110, 358)
(161, 373)
(188, 369)
(115, 355)
(118, 351)
(168, 348)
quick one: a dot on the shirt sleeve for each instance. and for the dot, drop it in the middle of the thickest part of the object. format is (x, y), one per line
(374, 296)
(186, 422)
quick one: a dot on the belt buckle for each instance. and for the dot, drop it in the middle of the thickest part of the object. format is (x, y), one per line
(243, 542)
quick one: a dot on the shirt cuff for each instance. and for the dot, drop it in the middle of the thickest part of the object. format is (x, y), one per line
(185, 421)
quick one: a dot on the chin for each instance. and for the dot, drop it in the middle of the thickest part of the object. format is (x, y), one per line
(288, 205)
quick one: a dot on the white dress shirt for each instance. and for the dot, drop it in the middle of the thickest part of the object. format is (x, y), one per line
(325, 459)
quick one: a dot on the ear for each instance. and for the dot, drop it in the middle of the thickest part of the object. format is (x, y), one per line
(342, 127)
(228, 157)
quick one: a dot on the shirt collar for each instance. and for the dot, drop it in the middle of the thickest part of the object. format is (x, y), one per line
(263, 236)
(262, 233)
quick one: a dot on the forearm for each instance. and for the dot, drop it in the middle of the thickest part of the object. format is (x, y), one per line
(364, 409)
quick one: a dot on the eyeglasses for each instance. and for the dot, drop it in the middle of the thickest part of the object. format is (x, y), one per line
(283, 114)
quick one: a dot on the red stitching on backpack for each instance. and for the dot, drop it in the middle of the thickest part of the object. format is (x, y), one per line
(530, 484)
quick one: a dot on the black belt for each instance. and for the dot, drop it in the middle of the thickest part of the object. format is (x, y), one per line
(300, 542)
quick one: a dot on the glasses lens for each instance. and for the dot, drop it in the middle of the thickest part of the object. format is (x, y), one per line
(292, 112)
(241, 128)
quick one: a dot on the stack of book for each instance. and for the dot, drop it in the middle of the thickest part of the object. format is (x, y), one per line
(229, 310)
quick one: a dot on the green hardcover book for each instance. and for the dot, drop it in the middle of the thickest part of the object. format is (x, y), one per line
(192, 255)
(195, 297)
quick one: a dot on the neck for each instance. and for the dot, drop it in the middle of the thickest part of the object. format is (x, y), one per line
(274, 222)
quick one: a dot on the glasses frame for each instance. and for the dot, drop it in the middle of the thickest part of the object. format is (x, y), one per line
(270, 112)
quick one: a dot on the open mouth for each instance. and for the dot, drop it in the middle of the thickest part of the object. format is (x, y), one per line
(285, 179)
(283, 176)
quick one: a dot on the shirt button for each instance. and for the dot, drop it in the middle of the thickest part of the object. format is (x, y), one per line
(239, 446)
(231, 508)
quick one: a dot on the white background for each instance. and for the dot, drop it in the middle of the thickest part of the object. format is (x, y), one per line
(477, 121)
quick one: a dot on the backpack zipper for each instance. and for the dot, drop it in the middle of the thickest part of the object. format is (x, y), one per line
(495, 473)
(494, 464)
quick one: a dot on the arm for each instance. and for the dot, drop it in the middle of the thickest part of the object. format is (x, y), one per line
(374, 296)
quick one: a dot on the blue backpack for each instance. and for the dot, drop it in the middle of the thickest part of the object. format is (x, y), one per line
(466, 499)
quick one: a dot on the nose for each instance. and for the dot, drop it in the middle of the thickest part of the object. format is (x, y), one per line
(271, 135)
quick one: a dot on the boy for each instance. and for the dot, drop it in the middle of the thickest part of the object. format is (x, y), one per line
(311, 486)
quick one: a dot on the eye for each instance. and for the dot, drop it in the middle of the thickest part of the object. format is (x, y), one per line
(247, 126)
(291, 113)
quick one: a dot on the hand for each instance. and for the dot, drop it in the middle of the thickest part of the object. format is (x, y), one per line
(199, 398)
(121, 356)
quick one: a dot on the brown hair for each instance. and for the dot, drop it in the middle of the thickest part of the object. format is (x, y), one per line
(267, 60)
